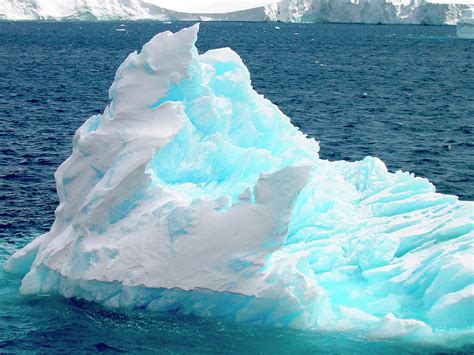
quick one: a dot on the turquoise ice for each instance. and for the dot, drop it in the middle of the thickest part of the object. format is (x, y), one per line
(194, 194)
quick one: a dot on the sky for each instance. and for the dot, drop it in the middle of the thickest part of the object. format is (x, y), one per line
(210, 6)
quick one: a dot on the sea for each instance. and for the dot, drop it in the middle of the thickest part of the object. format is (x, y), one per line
(402, 93)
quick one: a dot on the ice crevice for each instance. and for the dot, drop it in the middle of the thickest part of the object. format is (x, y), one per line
(193, 193)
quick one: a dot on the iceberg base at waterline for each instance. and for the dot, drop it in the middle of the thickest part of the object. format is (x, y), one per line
(194, 194)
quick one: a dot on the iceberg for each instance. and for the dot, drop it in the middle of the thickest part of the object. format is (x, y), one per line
(194, 194)
(465, 27)
(427, 12)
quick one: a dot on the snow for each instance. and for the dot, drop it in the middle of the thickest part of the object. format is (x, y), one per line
(194, 194)
(80, 9)
(211, 6)
(360, 11)
(365, 11)
(465, 28)
(111, 10)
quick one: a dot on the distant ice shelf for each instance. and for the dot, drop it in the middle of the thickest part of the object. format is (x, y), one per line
(347, 11)
(465, 27)
(194, 194)
(103, 10)
(366, 11)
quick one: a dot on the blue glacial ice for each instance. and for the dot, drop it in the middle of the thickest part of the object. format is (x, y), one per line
(194, 194)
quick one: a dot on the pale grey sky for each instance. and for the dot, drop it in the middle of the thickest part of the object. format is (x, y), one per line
(210, 5)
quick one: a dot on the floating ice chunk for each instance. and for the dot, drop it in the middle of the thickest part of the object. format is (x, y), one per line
(193, 193)
(465, 26)
(392, 327)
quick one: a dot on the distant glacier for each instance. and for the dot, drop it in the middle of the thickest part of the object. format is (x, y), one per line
(344, 11)
(106, 10)
(365, 11)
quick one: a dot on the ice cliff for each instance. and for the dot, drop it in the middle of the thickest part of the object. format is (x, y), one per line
(110, 10)
(365, 11)
(80, 9)
(360, 11)
(194, 194)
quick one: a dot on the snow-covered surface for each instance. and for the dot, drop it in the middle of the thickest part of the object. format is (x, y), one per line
(365, 11)
(110, 10)
(465, 28)
(195, 194)
(78, 9)
(360, 11)
(211, 6)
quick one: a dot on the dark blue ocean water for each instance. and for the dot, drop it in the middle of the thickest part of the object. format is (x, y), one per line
(402, 93)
